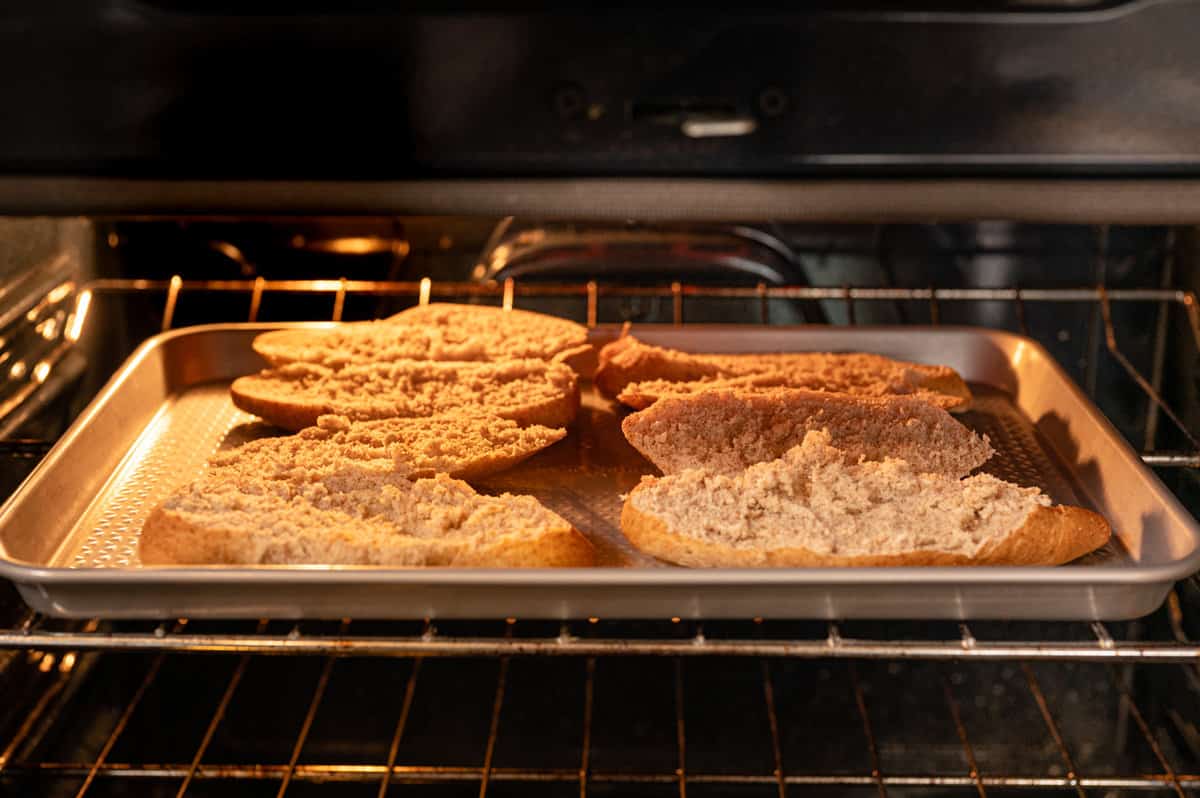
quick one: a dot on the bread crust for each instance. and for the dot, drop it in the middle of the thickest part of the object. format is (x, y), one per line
(564, 547)
(581, 359)
(255, 395)
(466, 447)
(485, 466)
(258, 394)
(638, 374)
(453, 332)
(169, 538)
(726, 431)
(1049, 536)
(627, 360)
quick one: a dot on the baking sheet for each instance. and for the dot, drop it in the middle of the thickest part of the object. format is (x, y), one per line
(168, 411)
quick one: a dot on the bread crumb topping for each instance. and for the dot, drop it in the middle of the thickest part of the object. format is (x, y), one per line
(812, 499)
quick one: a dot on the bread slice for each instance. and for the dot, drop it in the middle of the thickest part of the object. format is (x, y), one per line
(356, 517)
(465, 447)
(811, 508)
(440, 332)
(725, 431)
(639, 374)
(526, 391)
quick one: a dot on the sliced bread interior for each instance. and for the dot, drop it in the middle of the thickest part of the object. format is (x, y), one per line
(463, 446)
(440, 332)
(726, 431)
(356, 516)
(526, 391)
(639, 374)
(812, 508)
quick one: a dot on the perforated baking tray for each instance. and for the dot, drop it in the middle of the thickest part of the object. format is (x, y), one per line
(69, 534)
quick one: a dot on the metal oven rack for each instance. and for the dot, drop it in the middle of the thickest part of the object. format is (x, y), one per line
(59, 655)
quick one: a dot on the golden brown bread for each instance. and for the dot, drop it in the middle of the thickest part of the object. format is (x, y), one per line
(356, 517)
(527, 391)
(639, 374)
(811, 508)
(463, 446)
(1049, 536)
(726, 431)
(438, 332)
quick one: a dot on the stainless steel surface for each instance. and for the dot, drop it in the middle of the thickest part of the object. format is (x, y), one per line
(1064, 201)
(166, 411)
(575, 639)
(627, 254)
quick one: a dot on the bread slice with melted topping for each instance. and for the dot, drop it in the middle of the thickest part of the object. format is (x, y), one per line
(438, 332)
(463, 446)
(811, 508)
(296, 395)
(356, 517)
(726, 431)
(639, 374)
(358, 494)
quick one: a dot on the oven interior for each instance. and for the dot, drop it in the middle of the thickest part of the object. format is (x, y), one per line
(602, 706)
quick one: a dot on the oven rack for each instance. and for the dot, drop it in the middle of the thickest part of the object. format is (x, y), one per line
(60, 650)
(675, 637)
(1101, 298)
(1097, 645)
(62, 668)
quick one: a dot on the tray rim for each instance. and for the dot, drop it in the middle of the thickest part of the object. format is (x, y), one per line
(1135, 574)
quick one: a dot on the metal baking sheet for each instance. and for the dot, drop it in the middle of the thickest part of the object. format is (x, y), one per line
(69, 534)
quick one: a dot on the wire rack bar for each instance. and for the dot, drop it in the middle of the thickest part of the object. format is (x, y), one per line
(961, 731)
(382, 646)
(773, 723)
(122, 722)
(583, 289)
(680, 729)
(215, 721)
(1144, 727)
(1043, 706)
(585, 755)
(590, 291)
(860, 702)
(409, 774)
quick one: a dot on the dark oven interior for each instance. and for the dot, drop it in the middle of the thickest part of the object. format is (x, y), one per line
(602, 705)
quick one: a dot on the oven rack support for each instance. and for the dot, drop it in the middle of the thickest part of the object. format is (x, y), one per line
(979, 641)
(1100, 297)
(61, 670)
(56, 648)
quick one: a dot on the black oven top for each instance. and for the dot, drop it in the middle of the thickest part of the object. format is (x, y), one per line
(168, 89)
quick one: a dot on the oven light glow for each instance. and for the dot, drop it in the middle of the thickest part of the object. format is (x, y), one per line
(60, 292)
(426, 290)
(48, 328)
(17, 370)
(41, 371)
(75, 322)
(361, 245)
(1019, 354)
